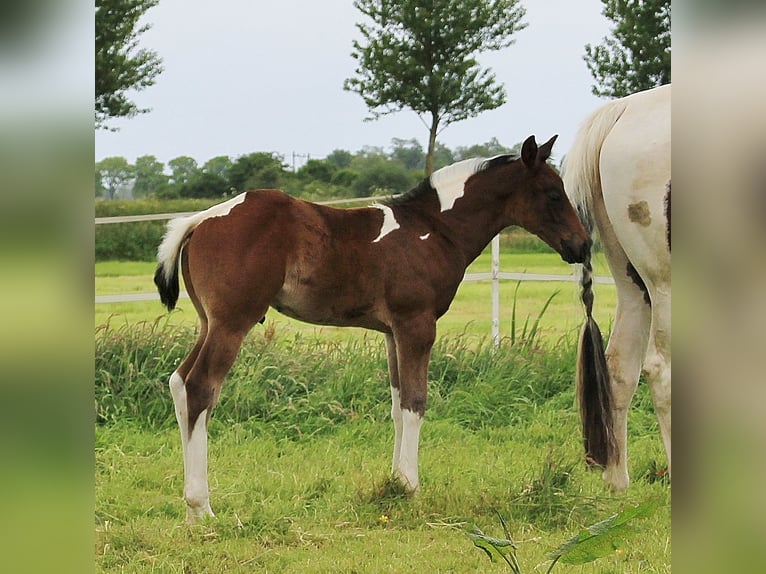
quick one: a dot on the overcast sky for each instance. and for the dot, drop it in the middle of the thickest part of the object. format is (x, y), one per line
(242, 76)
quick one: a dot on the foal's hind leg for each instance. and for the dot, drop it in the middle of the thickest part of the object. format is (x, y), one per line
(195, 396)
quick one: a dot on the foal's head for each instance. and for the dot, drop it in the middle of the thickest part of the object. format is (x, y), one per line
(536, 201)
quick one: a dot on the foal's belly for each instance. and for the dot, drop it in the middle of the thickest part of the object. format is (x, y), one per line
(336, 307)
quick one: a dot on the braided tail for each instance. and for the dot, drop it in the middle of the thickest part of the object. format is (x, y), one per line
(593, 389)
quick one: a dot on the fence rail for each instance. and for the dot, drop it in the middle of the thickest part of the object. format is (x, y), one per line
(495, 275)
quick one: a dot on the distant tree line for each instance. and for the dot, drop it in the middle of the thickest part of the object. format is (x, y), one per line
(342, 174)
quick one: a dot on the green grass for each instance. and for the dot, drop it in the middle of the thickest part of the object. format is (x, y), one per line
(300, 448)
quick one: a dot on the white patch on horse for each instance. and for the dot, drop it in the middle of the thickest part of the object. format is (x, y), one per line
(196, 491)
(389, 221)
(424, 237)
(449, 182)
(408, 455)
(396, 416)
(194, 447)
(179, 228)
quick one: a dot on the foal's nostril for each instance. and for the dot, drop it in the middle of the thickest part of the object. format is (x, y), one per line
(574, 251)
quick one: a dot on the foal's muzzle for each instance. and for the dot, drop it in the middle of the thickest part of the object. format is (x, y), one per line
(574, 251)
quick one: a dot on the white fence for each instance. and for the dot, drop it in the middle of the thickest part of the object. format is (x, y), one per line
(494, 275)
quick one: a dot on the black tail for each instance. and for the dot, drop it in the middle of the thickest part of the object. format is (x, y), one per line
(593, 390)
(167, 285)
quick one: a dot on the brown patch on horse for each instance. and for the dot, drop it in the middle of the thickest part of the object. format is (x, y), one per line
(639, 213)
(667, 213)
(636, 278)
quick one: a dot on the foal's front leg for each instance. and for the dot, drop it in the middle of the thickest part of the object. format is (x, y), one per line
(396, 406)
(412, 344)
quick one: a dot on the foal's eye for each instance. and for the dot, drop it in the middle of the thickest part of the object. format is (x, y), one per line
(553, 194)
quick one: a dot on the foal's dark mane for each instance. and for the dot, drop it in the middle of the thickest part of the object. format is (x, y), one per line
(424, 188)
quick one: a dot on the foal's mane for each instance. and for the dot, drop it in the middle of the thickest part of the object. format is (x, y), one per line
(464, 169)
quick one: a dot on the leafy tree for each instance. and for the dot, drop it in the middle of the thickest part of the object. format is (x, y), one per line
(183, 169)
(408, 152)
(257, 171)
(487, 149)
(443, 156)
(317, 170)
(637, 55)
(340, 158)
(219, 165)
(120, 64)
(204, 185)
(149, 174)
(380, 175)
(113, 175)
(421, 55)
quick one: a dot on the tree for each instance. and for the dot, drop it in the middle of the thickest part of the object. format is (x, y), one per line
(340, 158)
(204, 185)
(183, 169)
(219, 165)
(421, 55)
(113, 175)
(149, 176)
(407, 152)
(637, 55)
(488, 149)
(257, 171)
(120, 64)
(317, 170)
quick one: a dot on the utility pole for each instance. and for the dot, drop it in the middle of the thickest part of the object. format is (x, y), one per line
(306, 156)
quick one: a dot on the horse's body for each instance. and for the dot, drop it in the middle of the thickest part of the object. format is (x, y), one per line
(393, 268)
(618, 175)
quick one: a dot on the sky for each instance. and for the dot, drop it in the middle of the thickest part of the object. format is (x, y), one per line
(243, 76)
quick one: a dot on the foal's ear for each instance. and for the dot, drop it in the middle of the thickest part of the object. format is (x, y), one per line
(529, 152)
(545, 150)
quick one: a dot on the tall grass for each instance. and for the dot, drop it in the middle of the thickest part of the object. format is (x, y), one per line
(304, 384)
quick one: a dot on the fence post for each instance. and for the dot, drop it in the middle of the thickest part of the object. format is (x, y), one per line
(496, 290)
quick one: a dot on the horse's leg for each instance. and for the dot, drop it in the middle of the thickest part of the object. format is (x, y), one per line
(657, 364)
(195, 396)
(396, 406)
(625, 354)
(413, 341)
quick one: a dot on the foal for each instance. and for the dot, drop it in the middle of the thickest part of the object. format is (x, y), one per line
(392, 267)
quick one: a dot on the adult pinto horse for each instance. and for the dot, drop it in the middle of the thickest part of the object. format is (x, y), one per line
(617, 174)
(392, 267)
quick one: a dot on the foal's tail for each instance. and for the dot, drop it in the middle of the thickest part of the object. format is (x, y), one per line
(582, 181)
(166, 275)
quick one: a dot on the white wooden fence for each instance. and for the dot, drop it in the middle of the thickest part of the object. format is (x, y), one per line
(494, 275)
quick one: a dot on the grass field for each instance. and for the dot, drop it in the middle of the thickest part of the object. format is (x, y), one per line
(300, 444)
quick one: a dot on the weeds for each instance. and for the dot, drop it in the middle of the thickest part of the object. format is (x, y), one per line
(593, 542)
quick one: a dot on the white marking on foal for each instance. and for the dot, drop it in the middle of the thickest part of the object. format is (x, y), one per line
(194, 447)
(196, 490)
(396, 416)
(449, 182)
(408, 457)
(424, 237)
(389, 221)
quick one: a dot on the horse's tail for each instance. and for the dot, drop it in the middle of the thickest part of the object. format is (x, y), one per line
(166, 275)
(582, 181)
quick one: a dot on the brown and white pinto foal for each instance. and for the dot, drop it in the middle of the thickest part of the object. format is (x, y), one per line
(392, 267)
